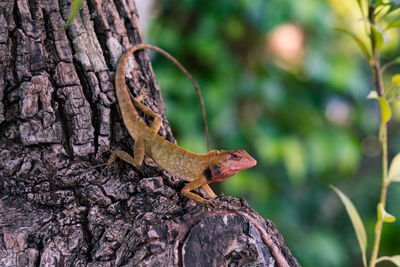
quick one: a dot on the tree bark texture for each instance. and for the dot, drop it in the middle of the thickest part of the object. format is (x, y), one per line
(59, 118)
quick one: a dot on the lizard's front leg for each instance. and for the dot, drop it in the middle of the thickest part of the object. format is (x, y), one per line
(193, 185)
(209, 192)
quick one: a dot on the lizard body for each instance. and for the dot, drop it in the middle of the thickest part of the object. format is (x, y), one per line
(198, 169)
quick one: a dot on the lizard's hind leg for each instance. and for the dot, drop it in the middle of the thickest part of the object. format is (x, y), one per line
(136, 160)
(156, 123)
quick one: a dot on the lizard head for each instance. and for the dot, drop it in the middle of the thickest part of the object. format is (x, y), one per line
(224, 164)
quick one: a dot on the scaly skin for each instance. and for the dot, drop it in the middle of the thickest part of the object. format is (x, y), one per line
(198, 169)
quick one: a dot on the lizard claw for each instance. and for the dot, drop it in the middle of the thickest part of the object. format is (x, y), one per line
(139, 98)
(139, 171)
(104, 171)
(208, 204)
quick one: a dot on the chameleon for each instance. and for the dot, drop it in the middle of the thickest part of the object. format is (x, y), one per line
(198, 169)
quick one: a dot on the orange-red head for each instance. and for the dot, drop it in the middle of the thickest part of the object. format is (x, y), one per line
(225, 164)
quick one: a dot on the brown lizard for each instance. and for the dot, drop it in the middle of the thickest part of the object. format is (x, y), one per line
(198, 169)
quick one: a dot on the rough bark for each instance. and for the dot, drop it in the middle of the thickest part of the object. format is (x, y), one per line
(58, 118)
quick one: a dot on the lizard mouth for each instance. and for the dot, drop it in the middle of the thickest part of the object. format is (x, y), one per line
(245, 163)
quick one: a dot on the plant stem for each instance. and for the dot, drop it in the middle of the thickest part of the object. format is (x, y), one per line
(379, 222)
(377, 73)
(376, 63)
(387, 65)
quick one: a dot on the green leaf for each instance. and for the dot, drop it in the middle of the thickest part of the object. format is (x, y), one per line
(394, 259)
(381, 11)
(394, 169)
(356, 221)
(382, 2)
(394, 8)
(392, 91)
(386, 112)
(363, 5)
(384, 215)
(76, 6)
(396, 79)
(373, 95)
(360, 43)
(378, 38)
(393, 24)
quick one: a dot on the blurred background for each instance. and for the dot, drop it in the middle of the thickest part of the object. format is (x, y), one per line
(281, 83)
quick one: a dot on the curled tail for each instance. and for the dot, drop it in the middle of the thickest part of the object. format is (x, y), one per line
(179, 65)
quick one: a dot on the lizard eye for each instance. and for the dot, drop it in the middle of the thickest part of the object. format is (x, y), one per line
(234, 156)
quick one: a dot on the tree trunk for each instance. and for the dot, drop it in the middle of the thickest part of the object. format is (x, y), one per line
(58, 119)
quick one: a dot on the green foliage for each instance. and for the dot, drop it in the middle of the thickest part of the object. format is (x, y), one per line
(394, 170)
(363, 6)
(362, 45)
(386, 112)
(383, 94)
(393, 259)
(383, 215)
(356, 221)
(285, 113)
(76, 6)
